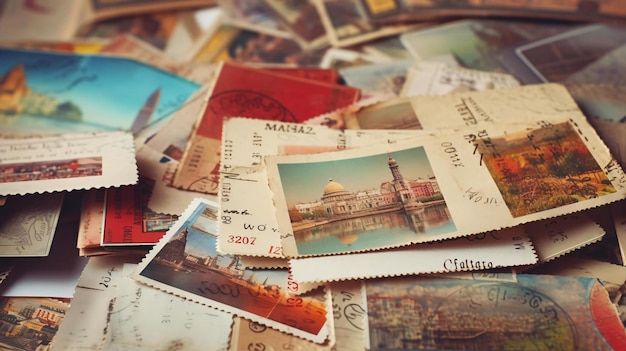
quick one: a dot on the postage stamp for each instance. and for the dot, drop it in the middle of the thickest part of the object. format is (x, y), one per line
(66, 162)
(548, 312)
(440, 186)
(185, 263)
(29, 223)
(485, 251)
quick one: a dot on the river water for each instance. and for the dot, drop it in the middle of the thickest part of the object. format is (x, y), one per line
(374, 231)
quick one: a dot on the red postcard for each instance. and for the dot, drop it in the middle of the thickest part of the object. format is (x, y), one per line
(128, 221)
(241, 91)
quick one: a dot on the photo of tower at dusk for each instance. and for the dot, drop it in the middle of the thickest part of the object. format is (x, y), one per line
(397, 208)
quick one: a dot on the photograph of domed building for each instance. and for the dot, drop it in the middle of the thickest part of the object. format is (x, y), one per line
(367, 203)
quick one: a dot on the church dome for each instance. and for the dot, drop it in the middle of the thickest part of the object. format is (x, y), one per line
(333, 187)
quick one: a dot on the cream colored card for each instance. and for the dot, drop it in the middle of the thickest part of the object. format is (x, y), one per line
(85, 323)
(505, 248)
(440, 187)
(466, 109)
(558, 236)
(28, 224)
(436, 78)
(66, 162)
(145, 318)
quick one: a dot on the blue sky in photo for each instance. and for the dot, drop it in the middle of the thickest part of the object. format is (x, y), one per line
(109, 91)
(305, 182)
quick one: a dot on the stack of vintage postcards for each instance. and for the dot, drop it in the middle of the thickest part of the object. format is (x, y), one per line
(312, 175)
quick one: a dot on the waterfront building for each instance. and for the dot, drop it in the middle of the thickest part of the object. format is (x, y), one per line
(397, 193)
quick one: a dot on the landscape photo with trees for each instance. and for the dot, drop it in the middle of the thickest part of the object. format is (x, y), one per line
(543, 168)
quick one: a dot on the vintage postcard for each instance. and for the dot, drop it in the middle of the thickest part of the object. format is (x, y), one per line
(347, 24)
(145, 318)
(558, 236)
(468, 109)
(349, 312)
(66, 162)
(229, 43)
(343, 58)
(390, 47)
(591, 72)
(391, 11)
(252, 15)
(29, 223)
(186, 263)
(435, 78)
(301, 19)
(476, 43)
(242, 173)
(547, 312)
(504, 248)
(380, 77)
(589, 43)
(154, 28)
(127, 218)
(95, 290)
(60, 92)
(249, 92)
(440, 186)
(30, 322)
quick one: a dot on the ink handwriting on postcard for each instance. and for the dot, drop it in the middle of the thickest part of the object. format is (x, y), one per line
(66, 162)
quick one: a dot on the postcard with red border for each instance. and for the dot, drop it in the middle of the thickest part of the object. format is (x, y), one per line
(249, 92)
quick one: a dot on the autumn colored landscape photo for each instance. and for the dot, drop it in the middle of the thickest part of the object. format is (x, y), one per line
(543, 169)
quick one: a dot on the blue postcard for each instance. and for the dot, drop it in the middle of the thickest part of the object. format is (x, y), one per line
(46, 91)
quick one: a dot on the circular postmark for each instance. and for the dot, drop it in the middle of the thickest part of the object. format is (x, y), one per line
(244, 103)
(500, 316)
(256, 327)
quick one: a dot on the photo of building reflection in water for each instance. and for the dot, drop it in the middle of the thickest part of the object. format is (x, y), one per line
(397, 208)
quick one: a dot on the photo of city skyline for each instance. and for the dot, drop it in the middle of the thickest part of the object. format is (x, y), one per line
(365, 203)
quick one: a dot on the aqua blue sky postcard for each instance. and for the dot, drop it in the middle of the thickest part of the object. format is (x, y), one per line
(46, 91)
